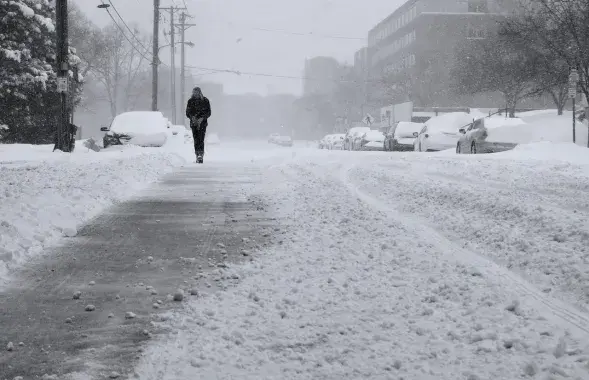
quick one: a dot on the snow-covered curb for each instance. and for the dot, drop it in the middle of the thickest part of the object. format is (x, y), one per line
(44, 196)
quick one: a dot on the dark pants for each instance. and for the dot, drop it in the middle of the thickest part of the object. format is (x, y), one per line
(199, 140)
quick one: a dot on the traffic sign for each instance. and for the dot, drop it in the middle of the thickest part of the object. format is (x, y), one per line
(574, 76)
(368, 119)
(62, 85)
(572, 92)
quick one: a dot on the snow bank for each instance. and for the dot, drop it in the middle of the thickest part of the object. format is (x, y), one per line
(350, 294)
(548, 151)
(541, 126)
(46, 195)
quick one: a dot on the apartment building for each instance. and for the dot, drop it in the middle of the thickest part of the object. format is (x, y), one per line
(418, 41)
(361, 60)
(320, 75)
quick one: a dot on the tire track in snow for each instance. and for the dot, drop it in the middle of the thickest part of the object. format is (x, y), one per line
(554, 310)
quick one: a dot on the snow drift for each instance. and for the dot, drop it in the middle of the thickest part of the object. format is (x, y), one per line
(46, 195)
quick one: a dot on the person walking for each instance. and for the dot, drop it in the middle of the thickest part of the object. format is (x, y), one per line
(198, 110)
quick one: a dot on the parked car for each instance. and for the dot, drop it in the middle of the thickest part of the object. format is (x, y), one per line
(283, 141)
(442, 132)
(142, 128)
(328, 141)
(490, 135)
(324, 142)
(351, 135)
(272, 138)
(401, 136)
(371, 140)
(337, 142)
(212, 139)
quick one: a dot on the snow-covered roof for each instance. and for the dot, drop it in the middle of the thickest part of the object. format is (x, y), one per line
(373, 135)
(406, 129)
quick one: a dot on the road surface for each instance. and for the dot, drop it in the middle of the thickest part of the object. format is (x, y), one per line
(359, 265)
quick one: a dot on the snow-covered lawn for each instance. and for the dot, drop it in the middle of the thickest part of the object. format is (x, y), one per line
(382, 273)
(46, 195)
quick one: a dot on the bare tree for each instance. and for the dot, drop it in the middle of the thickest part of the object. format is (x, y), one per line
(560, 27)
(496, 64)
(86, 38)
(120, 69)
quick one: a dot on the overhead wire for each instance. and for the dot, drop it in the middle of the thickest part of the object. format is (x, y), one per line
(309, 34)
(127, 26)
(125, 35)
(268, 75)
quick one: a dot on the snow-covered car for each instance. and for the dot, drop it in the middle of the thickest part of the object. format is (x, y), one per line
(325, 142)
(212, 139)
(272, 138)
(283, 141)
(401, 136)
(372, 140)
(352, 134)
(142, 128)
(442, 132)
(337, 142)
(491, 135)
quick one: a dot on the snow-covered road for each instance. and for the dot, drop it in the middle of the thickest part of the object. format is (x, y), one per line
(413, 266)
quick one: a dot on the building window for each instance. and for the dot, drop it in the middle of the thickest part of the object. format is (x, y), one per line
(478, 6)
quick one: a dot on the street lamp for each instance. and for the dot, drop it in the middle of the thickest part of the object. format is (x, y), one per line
(103, 6)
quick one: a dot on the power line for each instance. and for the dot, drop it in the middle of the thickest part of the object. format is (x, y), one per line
(309, 34)
(127, 26)
(296, 33)
(267, 75)
(124, 35)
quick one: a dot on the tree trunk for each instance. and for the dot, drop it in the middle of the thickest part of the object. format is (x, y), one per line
(558, 99)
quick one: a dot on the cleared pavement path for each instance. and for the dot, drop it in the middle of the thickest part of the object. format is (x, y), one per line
(191, 222)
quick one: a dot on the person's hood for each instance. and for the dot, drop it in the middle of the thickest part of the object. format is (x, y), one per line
(197, 93)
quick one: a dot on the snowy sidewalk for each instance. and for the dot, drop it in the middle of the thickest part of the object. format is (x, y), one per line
(45, 196)
(349, 292)
(127, 263)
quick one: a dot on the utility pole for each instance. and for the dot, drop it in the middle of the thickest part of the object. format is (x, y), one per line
(183, 27)
(155, 53)
(173, 59)
(63, 138)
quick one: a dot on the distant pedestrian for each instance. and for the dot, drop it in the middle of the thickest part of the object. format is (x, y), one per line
(198, 110)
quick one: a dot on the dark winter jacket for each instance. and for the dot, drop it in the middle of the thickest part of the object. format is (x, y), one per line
(197, 108)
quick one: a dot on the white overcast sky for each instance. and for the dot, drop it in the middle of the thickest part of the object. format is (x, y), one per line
(220, 23)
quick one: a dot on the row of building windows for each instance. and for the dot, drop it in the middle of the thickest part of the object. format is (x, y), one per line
(402, 64)
(393, 25)
(394, 47)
